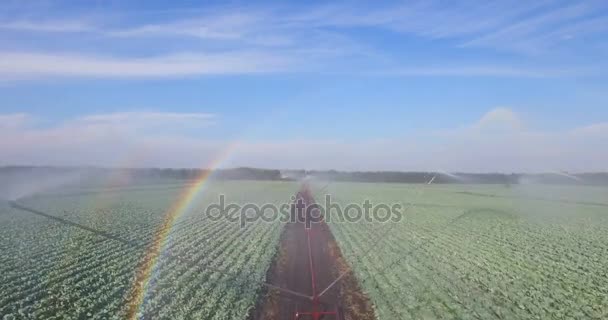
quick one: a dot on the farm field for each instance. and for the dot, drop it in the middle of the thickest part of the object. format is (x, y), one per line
(50, 270)
(460, 252)
(480, 251)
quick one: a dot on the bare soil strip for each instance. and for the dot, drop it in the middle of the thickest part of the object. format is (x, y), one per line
(291, 270)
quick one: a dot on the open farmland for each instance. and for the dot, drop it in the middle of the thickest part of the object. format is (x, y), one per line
(480, 251)
(51, 270)
(460, 252)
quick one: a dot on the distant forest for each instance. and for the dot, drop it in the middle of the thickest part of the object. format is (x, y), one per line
(8, 173)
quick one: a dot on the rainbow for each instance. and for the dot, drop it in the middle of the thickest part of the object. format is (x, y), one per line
(148, 264)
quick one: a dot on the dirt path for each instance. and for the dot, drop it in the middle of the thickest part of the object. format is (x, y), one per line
(292, 270)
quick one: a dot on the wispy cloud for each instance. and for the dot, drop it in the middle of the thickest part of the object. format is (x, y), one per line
(497, 24)
(129, 121)
(47, 26)
(249, 28)
(475, 71)
(107, 139)
(146, 120)
(25, 65)
(520, 35)
(427, 19)
(155, 117)
(13, 120)
(221, 26)
(254, 39)
(423, 18)
(16, 66)
(592, 129)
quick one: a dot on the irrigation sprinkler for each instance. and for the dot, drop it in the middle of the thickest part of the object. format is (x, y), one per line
(375, 242)
(103, 234)
(316, 313)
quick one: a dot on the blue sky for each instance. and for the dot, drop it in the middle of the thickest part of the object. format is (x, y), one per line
(370, 86)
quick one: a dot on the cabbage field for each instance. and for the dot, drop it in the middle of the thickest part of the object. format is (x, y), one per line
(50, 270)
(481, 252)
(460, 252)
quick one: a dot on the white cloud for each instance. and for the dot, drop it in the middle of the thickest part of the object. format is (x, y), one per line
(254, 39)
(105, 139)
(107, 124)
(47, 26)
(24, 65)
(497, 141)
(13, 120)
(521, 35)
(514, 25)
(529, 27)
(148, 118)
(597, 129)
(476, 71)
(218, 26)
(32, 66)
(295, 27)
(499, 119)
